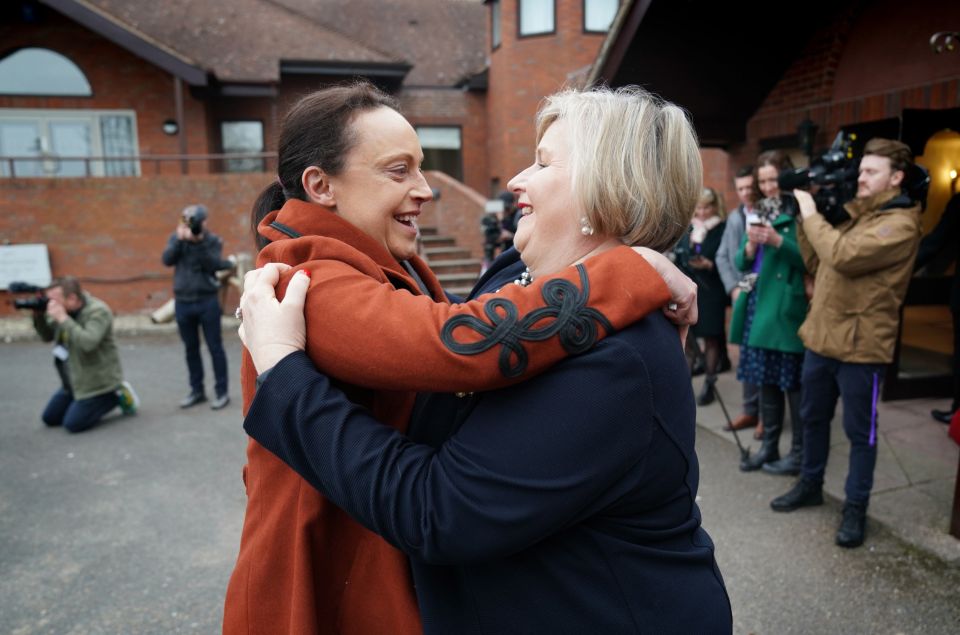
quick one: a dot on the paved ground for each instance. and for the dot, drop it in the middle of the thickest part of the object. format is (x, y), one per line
(133, 527)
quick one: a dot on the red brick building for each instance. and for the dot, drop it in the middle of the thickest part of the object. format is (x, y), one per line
(137, 102)
(166, 88)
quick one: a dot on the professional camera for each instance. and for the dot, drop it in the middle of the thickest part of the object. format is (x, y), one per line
(490, 226)
(38, 303)
(836, 173)
(193, 217)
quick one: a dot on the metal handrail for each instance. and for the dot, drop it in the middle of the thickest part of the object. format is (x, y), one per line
(156, 159)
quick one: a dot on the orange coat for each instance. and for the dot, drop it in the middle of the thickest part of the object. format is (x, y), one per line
(305, 566)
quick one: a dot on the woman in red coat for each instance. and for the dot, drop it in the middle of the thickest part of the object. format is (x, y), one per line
(344, 209)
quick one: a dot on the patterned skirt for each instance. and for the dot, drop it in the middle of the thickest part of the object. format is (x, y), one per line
(764, 366)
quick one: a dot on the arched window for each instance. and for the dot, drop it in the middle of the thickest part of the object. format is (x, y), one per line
(37, 71)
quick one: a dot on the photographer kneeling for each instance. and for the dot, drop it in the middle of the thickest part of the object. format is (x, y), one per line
(85, 355)
(863, 267)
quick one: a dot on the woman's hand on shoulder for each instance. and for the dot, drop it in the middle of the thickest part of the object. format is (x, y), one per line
(682, 309)
(271, 329)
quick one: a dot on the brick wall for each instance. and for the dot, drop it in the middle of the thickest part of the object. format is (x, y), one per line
(119, 80)
(522, 72)
(110, 232)
(456, 213)
(869, 63)
(454, 107)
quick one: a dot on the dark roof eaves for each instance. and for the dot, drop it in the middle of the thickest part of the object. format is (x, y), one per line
(131, 39)
(373, 69)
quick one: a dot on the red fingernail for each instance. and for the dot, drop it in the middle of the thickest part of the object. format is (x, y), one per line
(305, 272)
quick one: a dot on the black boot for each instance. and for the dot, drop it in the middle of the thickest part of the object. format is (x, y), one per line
(771, 414)
(854, 525)
(803, 494)
(706, 396)
(790, 464)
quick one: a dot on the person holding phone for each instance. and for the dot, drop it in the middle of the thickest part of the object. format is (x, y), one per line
(768, 313)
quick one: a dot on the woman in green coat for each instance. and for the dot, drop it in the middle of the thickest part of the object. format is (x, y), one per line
(767, 316)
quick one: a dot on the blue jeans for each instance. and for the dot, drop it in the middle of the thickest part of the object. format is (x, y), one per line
(824, 380)
(77, 415)
(191, 317)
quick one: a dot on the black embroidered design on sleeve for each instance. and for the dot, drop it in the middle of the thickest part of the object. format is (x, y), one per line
(573, 320)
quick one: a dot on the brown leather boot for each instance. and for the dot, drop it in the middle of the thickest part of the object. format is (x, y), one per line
(741, 422)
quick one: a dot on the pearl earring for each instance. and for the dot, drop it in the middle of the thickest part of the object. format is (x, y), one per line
(585, 227)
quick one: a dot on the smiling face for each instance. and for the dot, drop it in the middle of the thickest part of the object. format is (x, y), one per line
(381, 188)
(767, 181)
(549, 235)
(703, 211)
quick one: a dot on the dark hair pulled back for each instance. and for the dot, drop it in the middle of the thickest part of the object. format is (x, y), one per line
(315, 131)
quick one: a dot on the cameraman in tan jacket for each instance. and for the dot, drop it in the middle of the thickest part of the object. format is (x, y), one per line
(863, 267)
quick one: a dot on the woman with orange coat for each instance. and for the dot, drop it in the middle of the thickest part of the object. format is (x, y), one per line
(344, 209)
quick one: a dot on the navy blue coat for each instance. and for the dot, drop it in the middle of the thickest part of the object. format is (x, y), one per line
(561, 505)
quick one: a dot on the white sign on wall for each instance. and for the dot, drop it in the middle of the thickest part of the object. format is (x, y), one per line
(24, 263)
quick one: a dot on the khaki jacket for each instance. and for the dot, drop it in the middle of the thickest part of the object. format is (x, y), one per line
(94, 363)
(862, 267)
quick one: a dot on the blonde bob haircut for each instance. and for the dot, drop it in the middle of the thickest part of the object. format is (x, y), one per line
(710, 196)
(635, 162)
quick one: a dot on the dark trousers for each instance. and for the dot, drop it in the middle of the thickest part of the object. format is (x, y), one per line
(77, 415)
(824, 380)
(191, 317)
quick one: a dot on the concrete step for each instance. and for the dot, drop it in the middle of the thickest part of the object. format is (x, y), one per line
(437, 241)
(458, 279)
(460, 265)
(460, 290)
(434, 254)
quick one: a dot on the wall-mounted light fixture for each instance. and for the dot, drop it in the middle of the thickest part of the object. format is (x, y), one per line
(171, 127)
(944, 41)
(953, 181)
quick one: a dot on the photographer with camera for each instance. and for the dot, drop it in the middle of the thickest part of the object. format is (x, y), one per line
(863, 266)
(85, 356)
(196, 254)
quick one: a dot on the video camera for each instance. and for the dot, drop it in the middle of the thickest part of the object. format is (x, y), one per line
(38, 303)
(836, 173)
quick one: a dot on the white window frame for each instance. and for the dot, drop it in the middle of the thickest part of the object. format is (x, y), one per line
(553, 23)
(587, 29)
(44, 116)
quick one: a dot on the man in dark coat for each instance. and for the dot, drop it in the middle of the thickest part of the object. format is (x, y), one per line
(196, 253)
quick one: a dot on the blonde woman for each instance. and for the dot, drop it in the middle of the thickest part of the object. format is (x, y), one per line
(697, 255)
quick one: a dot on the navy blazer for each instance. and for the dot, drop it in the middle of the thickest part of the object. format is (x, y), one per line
(562, 505)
